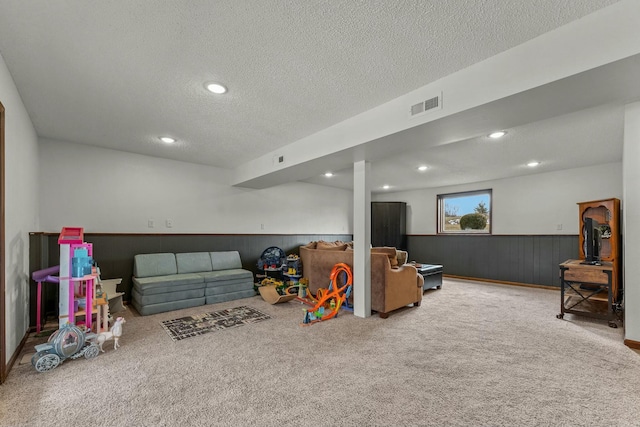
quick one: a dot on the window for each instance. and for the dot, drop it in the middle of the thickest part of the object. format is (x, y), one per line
(465, 213)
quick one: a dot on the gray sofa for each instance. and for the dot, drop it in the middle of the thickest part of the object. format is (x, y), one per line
(167, 281)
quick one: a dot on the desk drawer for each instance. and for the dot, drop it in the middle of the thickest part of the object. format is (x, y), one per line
(584, 275)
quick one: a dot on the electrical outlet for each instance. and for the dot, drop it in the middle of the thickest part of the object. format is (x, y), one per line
(261, 226)
(559, 227)
(169, 223)
(150, 223)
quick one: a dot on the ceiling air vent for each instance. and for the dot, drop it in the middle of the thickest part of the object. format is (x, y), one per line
(423, 107)
(417, 109)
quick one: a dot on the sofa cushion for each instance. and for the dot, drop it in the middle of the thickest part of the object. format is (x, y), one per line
(390, 252)
(225, 260)
(222, 275)
(166, 296)
(148, 265)
(331, 246)
(214, 299)
(342, 247)
(148, 309)
(229, 288)
(170, 283)
(193, 262)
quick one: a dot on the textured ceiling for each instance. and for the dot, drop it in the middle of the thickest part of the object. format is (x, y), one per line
(562, 142)
(119, 74)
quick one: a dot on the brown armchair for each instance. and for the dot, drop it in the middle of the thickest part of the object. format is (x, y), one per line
(392, 286)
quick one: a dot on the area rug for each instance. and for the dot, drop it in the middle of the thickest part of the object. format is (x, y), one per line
(192, 326)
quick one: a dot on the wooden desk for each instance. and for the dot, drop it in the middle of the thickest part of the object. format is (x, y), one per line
(581, 284)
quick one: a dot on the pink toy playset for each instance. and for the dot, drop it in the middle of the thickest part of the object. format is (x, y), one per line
(76, 278)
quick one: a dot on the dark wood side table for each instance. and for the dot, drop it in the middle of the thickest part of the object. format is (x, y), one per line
(583, 284)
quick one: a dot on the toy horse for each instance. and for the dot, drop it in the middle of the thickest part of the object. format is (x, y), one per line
(114, 333)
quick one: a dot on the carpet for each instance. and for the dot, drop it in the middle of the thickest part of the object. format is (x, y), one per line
(192, 326)
(473, 354)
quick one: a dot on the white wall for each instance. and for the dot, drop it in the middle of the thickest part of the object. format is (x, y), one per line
(630, 226)
(112, 191)
(532, 204)
(21, 208)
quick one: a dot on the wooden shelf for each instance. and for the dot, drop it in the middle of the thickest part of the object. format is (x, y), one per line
(600, 296)
(96, 303)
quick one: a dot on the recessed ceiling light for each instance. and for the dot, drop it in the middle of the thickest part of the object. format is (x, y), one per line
(497, 134)
(216, 88)
(167, 139)
(533, 164)
(328, 174)
(386, 187)
(422, 168)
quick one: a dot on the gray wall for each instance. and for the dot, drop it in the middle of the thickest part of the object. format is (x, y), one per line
(531, 259)
(114, 253)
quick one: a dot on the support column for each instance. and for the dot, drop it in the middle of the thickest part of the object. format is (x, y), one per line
(630, 225)
(361, 239)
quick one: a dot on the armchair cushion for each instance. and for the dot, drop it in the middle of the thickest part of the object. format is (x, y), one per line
(331, 246)
(402, 257)
(390, 252)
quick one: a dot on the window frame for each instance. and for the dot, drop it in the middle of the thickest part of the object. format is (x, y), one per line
(440, 217)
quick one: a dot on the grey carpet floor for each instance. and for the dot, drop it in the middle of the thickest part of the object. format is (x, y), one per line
(473, 354)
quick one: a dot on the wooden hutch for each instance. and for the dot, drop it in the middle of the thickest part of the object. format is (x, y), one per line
(583, 285)
(607, 214)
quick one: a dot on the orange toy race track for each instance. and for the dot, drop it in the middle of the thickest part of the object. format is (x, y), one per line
(328, 302)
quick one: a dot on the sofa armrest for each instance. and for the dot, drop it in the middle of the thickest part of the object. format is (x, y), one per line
(403, 276)
(402, 287)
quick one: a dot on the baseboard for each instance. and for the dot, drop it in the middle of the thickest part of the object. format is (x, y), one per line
(17, 353)
(632, 344)
(503, 282)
